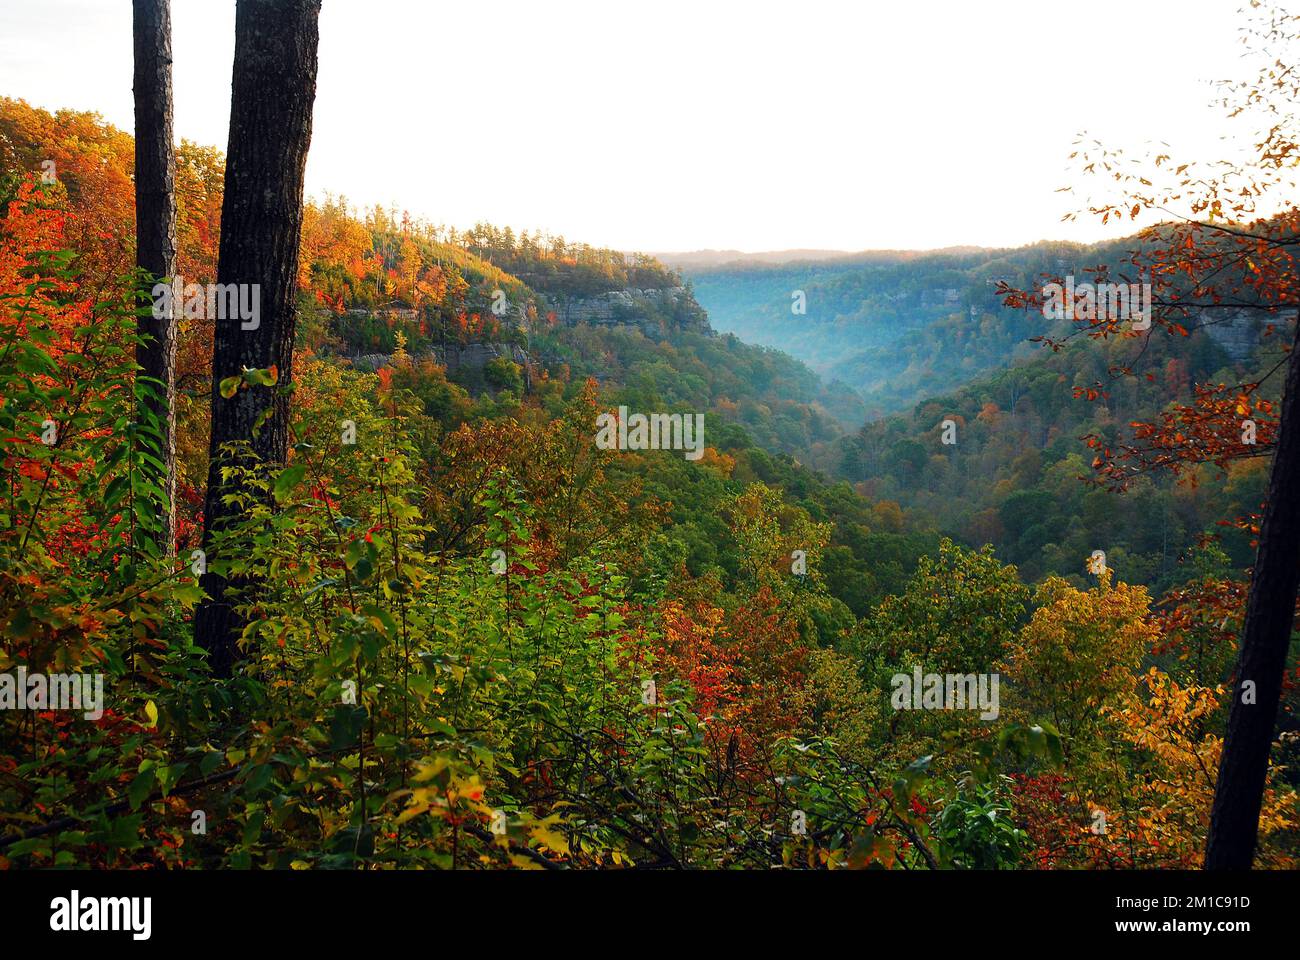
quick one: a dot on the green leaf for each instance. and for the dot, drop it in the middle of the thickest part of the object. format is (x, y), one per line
(210, 762)
(258, 778)
(381, 618)
(288, 479)
(140, 787)
(263, 378)
(253, 829)
(171, 775)
(28, 846)
(364, 568)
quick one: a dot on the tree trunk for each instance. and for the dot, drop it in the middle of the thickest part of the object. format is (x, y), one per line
(1266, 638)
(274, 89)
(155, 232)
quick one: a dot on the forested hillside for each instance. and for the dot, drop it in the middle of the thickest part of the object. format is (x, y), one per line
(1020, 474)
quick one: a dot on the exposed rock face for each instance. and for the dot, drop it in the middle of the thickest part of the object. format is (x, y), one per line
(656, 311)
(371, 362)
(456, 355)
(1237, 332)
(453, 356)
(407, 314)
(940, 297)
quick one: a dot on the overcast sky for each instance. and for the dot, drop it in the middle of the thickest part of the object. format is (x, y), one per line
(668, 125)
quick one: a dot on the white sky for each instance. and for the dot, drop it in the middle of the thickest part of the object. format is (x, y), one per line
(683, 124)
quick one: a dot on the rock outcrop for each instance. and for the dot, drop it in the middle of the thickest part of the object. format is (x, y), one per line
(1238, 332)
(655, 311)
(453, 356)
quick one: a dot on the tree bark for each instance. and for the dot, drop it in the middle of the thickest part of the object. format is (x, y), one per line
(155, 232)
(1266, 638)
(273, 92)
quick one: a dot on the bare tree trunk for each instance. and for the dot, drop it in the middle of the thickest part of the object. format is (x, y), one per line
(1266, 638)
(274, 89)
(155, 231)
